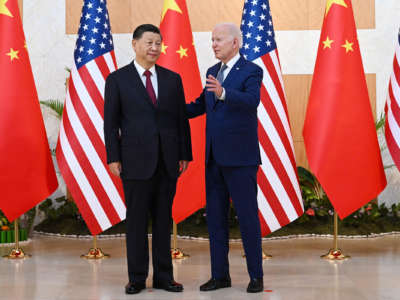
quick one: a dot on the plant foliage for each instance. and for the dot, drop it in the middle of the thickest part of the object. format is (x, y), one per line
(65, 209)
(55, 105)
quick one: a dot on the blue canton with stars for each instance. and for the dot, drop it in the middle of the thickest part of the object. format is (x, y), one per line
(94, 34)
(257, 28)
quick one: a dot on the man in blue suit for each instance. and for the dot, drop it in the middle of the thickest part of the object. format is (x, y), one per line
(230, 100)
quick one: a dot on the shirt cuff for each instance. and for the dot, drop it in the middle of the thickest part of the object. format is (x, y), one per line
(222, 98)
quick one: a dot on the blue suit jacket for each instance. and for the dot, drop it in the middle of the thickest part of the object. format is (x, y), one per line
(231, 128)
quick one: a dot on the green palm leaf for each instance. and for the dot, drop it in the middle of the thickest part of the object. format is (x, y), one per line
(55, 105)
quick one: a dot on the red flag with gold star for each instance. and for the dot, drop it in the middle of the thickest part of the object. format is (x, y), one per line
(27, 170)
(339, 130)
(179, 55)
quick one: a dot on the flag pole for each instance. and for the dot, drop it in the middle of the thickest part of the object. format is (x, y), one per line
(16, 252)
(176, 253)
(335, 253)
(95, 253)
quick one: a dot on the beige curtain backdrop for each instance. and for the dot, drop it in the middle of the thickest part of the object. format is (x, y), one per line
(20, 3)
(204, 14)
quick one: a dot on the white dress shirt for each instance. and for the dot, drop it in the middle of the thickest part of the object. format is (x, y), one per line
(153, 76)
(229, 65)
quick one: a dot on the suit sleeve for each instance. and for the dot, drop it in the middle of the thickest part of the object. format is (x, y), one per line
(249, 97)
(197, 107)
(184, 127)
(112, 114)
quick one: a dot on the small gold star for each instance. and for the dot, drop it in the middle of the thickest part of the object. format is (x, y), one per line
(348, 46)
(182, 51)
(331, 2)
(13, 54)
(164, 48)
(327, 43)
(170, 5)
(4, 10)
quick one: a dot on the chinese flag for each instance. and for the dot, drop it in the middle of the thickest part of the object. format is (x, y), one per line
(27, 172)
(339, 130)
(179, 55)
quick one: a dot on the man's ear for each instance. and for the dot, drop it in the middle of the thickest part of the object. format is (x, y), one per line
(236, 43)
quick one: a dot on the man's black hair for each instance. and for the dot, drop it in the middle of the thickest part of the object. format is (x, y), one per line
(138, 33)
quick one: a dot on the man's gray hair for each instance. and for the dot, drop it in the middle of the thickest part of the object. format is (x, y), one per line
(234, 30)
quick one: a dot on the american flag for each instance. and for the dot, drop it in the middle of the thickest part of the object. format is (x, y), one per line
(392, 109)
(279, 196)
(80, 150)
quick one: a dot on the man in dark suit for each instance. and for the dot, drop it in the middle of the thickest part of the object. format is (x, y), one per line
(230, 100)
(147, 139)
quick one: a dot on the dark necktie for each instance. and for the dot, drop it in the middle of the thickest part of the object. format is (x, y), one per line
(149, 87)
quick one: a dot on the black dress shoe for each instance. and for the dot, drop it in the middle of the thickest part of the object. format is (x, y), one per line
(215, 284)
(134, 287)
(256, 285)
(170, 286)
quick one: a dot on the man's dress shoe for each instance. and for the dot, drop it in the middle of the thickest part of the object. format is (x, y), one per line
(170, 286)
(134, 287)
(214, 284)
(256, 285)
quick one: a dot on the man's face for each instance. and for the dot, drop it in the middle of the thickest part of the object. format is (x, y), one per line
(147, 48)
(223, 44)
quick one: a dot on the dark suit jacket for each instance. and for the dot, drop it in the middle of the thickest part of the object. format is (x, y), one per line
(135, 130)
(231, 126)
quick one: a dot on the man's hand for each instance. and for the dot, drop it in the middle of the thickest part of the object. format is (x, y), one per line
(183, 165)
(115, 168)
(213, 85)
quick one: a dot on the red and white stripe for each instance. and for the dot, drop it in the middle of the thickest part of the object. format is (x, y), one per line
(81, 152)
(392, 109)
(279, 195)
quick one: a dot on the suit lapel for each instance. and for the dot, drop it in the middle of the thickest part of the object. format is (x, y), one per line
(139, 87)
(232, 73)
(162, 85)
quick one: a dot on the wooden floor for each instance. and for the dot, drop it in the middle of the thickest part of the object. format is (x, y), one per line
(296, 272)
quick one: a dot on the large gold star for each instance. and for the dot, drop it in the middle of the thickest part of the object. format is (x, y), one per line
(327, 43)
(164, 48)
(4, 10)
(348, 46)
(13, 54)
(331, 2)
(170, 4)
(182, 51)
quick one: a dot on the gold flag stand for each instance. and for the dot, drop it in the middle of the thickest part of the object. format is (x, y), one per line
(16, 252)
(266, 256)
(176, 253)
(95, 253)
(335, 253)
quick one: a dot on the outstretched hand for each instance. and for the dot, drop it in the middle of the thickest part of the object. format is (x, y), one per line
(213, 85)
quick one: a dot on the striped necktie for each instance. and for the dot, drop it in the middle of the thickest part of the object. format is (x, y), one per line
(220, 75)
